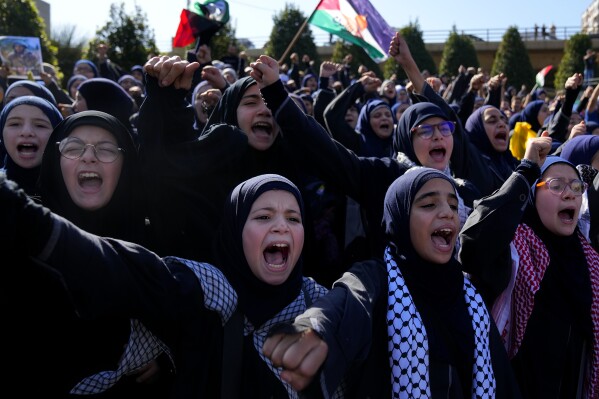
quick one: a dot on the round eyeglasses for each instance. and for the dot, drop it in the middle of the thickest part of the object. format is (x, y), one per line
(426, 131)
(73, 148)
(557, 186)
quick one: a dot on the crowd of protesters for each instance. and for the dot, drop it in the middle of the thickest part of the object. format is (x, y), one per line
(239, 228)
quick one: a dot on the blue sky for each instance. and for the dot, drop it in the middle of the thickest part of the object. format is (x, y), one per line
(253, 18)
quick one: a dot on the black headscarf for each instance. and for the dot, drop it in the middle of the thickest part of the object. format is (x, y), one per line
(35, 88)
(226, 109)
(475, 129)
(566, 256)
(258, 300)
(123, 217)
(412, 117)
(372, 145)
(26, 178)
(530, 114)
(437, 289)
(105, 95)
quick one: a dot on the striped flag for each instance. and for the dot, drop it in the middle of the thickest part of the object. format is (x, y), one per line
(355, 21)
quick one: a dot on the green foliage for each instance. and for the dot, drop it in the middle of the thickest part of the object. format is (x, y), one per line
(359, 57)
(512, 59)
(21, 18)
(572, 61)
(69, 50)
(221, 40)
(286, 24)
(129, 37)
(413, 36)
(458, 50)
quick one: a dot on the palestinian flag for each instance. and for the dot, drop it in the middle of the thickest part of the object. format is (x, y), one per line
(540, 78)
(355, 21)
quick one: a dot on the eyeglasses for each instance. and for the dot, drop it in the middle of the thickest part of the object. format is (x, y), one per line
(557, 186)
(426, 132)
(73, 148)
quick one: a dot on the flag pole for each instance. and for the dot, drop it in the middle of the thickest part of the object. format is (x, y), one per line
(297, 36)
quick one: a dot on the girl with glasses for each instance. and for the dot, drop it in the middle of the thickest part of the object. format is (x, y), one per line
(526, 254)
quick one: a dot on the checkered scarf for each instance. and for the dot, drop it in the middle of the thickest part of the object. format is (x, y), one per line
(532, 259)
(408, 343)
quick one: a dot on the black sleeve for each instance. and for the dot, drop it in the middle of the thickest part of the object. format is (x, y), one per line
(558, 127)
(334, 116)
(322, 99)
(490, 228)
(343, 318)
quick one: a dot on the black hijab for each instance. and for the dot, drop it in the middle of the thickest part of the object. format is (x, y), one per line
(226, 109)
(437, 289)
(412, 117)
(566, 256)
(258, 300)
(26, 178)
(475, 129)
(105, 95)
(372, 145)
(123, 217)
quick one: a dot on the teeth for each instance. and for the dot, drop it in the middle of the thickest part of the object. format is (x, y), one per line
(88, 175)
(281, 245)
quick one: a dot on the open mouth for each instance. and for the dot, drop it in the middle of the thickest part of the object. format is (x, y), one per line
(263, 128)
(438, 154)
(27, 148)
(566, 215)
(501, 136)
(89, 180)
(442, 238)
(275, 255)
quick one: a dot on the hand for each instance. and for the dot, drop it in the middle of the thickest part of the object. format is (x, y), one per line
(300, 355)
(210, 98)
(588, 91)
(171, 71)
(538, 148)
(265, 71)
(212, 75)
(370, 83)
(578, 130)
(328, 69)
(66, 109)
(496, 81)
(399, 50)
(147, 373)
(46, 77)
(574, 81)
(204, 54)
(477, 82)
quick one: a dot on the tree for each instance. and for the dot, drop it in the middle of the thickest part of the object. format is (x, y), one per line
(286, 25)
(458, 50)
(571, 63)
(69, 50)
(219, 43)
(512, 59)
(129, 37)
(20, 18)
(359, 56)
(413, 36)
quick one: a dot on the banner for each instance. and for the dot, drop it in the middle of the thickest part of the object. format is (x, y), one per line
(355, 21)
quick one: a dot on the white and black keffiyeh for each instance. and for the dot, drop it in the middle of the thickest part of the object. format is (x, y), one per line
(142, 347)
(408, 344)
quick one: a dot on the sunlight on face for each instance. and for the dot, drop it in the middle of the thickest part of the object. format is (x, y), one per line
(256, 120)
(91, 183)
(25, 135)
(434, 221)
(273, 236)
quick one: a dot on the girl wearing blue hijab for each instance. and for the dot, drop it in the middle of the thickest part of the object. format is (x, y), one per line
(375, 125)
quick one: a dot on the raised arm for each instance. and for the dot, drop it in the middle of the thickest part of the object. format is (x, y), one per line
(488, 231)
